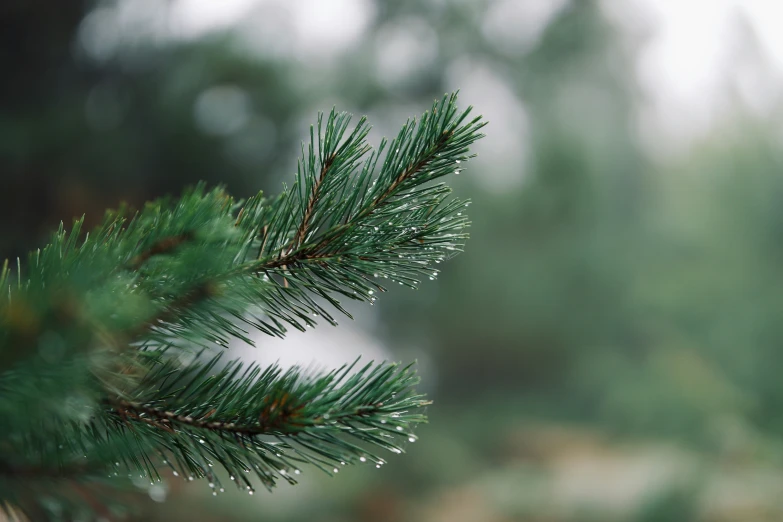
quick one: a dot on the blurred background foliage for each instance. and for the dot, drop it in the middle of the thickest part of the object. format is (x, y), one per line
(607, 348)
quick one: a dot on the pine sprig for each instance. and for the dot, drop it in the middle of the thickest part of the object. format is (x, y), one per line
(94, 326)
(269, 421)
(397, 198)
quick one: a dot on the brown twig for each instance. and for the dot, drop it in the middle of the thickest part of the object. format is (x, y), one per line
(302, 230)
(123, 407)
(162, 246)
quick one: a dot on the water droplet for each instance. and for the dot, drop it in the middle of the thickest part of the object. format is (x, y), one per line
(282, 472)
(362, 459)
(395, 450)
(214, 493)
(336, 470)
(202, 441)
(222, 490)
(250, 492)
(456, 172)
(378, 466)
(232, 477)
(370, 292)
(458, 162)
(411, 439)
(175, 473)
(383, 422)
(212, 484)
(297, 471)
(376, 229)
(190, 479)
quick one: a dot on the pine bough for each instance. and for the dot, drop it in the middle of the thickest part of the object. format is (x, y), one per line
(106, 336)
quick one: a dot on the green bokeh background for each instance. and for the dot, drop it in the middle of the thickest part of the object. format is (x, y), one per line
(608, 347)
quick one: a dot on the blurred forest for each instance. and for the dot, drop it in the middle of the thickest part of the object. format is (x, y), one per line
(607, 346)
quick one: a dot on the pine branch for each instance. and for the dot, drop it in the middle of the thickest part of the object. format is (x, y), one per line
(92, 327)
(438, 143)
(280, 418)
